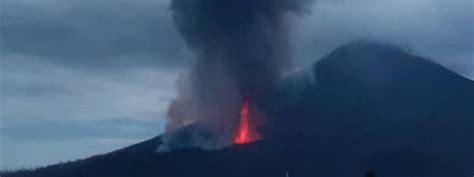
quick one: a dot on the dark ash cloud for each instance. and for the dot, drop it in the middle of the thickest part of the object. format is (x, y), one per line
(242, 48)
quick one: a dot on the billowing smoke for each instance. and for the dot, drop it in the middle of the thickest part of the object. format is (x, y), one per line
(242, 49)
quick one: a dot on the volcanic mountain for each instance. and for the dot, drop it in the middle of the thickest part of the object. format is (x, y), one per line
(363, 107)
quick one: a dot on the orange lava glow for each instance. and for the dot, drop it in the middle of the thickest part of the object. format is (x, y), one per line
(246, 132)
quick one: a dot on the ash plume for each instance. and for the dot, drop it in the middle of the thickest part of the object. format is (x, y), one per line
(242, 49)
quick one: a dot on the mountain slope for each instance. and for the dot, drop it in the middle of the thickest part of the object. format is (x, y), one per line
(399, 113)
(368, 106)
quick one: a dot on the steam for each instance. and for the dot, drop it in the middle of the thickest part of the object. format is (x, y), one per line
(242, 48)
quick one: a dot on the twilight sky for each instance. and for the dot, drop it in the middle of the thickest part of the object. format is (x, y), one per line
(82, 77)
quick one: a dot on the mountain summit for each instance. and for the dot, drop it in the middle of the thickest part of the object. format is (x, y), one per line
(363, 107)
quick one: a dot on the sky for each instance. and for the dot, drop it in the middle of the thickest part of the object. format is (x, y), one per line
(84, 77)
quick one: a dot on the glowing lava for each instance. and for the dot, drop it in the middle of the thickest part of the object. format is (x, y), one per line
(246, 132)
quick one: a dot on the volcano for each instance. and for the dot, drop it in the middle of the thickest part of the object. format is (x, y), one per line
(363, 107)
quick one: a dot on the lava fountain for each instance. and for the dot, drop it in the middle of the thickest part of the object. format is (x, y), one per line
(246, 131)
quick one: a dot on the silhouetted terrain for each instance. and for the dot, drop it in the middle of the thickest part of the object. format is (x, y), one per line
(367, 107)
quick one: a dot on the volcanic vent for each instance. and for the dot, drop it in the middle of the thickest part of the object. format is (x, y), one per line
(246, 131)
(242, 49)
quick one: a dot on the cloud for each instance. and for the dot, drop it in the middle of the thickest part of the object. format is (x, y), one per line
(75, 73)
(34, 90)
(439, 30)
(94, 34)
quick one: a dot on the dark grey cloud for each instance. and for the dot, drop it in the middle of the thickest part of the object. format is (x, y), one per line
(92, 33)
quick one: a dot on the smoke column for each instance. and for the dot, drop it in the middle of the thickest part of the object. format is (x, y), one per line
(242, 49)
